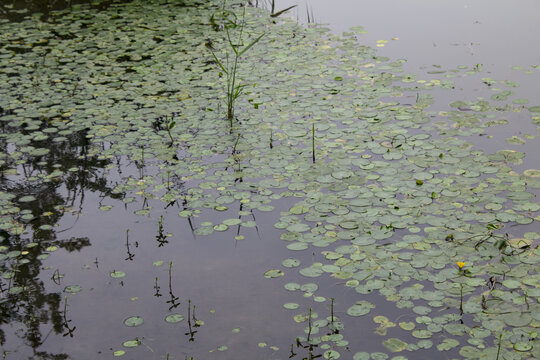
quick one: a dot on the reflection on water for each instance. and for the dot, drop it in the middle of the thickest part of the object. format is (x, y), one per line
(495, 33)
(42, 189)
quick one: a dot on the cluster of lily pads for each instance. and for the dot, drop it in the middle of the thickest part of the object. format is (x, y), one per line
(386, 191)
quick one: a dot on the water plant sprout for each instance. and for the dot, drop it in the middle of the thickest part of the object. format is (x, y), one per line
(230, 66)
(169, 125)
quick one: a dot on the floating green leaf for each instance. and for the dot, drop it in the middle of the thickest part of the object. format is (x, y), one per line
(131, 343)
(133, 321)
(360, 308)
(331, 354)
(274, 273)
(72, 289)
(174, 318)
(291, 263)
(447, 344)
(117, 274)
(291, 306)
(394, 345)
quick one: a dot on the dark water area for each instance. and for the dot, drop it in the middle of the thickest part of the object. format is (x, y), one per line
(17, 10)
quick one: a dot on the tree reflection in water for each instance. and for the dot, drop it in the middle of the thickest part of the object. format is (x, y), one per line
(25, 304)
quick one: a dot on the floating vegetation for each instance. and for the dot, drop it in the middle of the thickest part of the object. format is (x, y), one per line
(380, 192)
(174, 318)
(133, 321)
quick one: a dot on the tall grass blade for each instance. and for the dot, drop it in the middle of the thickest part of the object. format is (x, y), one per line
(251, 44)
(282, 11)
(231, 43)
(219, 63)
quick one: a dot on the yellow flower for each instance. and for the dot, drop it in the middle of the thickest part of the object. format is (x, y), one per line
(460, 264)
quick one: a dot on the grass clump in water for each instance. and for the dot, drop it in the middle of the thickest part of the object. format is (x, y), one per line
(229, 66)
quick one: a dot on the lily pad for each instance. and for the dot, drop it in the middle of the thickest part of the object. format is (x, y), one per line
(274, 273)
(534, 173)
(447, 344)
(291, 263)
(360, 308)
(422, 334)
(131, 343)
(174, 318)
(117, 274)
(518, 243)
(73, 289)
(291, 306)
(133, 321)
(331, 354)
(394, 345)
(407, 325)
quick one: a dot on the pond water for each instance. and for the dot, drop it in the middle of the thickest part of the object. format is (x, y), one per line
(441, 35)
(497, 34)
(374, 197)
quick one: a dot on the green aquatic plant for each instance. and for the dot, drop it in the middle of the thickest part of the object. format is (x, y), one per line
(274, 13)
(332, 311)
(161, 237)
(156, 287)
(499, 347)
(353, 214)
(229, 66)
(272, 3)
(313, 143)
(169, 125)
(309, 326)
(168, 179)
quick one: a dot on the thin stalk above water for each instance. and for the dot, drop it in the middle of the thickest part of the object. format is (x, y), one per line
(229, 67)
(313, 142)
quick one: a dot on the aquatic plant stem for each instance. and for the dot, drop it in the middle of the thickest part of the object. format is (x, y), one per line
(170, 135)
(191, 332)
(313, 142)
(189, 310)
(309, 325)
(332, 311)
(170, 281)
(230, 68)
(461, 300)
(499, 347)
